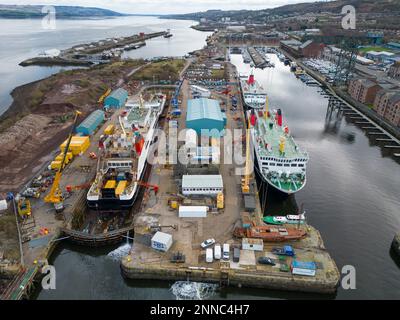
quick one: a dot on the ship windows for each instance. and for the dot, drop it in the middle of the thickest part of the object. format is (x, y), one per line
(279, 164)
(294, 165)
(287, 165)
(301, 165)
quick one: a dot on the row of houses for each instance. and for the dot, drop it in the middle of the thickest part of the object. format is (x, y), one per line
(383, 97)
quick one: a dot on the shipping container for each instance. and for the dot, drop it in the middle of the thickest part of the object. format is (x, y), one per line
(161, 241)
(109, 130)
(77, 146)
(193, 211)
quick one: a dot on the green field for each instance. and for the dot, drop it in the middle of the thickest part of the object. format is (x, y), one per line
(377, 49)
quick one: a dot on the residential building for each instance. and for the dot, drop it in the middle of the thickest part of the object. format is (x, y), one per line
(394, 71)
(387, 104)
(363, 90)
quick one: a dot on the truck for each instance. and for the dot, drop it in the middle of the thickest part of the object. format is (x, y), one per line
(285, 251)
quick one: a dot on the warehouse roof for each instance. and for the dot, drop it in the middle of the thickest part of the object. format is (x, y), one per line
(202, 181)
(203, 109)
(119, 94)
(94, 117)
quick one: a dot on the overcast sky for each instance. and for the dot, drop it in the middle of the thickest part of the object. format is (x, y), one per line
(164, 6)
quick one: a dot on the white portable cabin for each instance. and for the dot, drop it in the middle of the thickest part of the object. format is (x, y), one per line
(252, 244)
(193, 211)
(202, 185)
(161, 241)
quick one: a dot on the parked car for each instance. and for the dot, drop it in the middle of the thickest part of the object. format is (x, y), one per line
(217, 252)
(207, 243)
(266, 261)
(226, 250)
(236, 254)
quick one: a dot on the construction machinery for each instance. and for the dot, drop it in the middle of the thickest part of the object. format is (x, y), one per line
(105, 95)
(24, 207)
(55, 195)
(246, 178)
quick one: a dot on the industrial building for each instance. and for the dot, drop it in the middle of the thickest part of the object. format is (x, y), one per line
(91, 123)
(205, 117)
(116, 99)
(202, 185)
(193, 211)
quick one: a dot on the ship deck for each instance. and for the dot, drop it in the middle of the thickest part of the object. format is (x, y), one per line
(272, 137)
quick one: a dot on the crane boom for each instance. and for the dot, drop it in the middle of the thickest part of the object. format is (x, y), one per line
(246, 181)
(55, 194)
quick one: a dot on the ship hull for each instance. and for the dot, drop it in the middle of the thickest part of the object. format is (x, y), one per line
(104, 204)
(266, 180)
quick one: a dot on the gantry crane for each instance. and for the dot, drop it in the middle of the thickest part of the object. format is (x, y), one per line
(55, 195)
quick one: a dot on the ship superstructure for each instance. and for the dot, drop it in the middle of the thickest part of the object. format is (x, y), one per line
(253, 93)
(279, 160)
(124, 155)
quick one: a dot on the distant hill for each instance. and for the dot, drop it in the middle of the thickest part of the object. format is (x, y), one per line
(35, 11)
(362, 6)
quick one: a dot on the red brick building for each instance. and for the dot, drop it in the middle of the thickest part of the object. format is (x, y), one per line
(394, 71)
(387, 104)
(363, 90)
(311, 49)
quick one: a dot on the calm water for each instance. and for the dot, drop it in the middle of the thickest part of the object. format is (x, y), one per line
(352, 197)
(23, 39)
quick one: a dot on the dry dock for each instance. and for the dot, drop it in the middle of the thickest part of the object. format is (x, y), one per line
(143, 262)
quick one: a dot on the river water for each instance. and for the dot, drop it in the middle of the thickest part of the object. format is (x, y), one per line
(352, 193)
(23, 39)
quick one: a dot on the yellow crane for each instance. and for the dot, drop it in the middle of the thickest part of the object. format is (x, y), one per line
(55, 195)
(246, 180)
(105, 95)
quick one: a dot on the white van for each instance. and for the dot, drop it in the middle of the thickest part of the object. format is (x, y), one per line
(209, 255)
(217, 252)
(226, 250)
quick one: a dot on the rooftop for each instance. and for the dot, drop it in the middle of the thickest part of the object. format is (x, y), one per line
(202, 181)
(203, 109)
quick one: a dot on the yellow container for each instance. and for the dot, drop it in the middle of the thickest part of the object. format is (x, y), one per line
(78, 145)
(55, 165)
(109, 130)
(110, 184)
(121, 187)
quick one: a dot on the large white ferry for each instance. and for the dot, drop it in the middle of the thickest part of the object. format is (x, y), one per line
(124, 155)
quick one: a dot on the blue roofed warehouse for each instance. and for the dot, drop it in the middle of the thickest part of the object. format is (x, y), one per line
(90, 124)
(205, 114)
(116, 99)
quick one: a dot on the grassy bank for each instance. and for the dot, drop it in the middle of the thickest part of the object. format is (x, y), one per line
(161, 70)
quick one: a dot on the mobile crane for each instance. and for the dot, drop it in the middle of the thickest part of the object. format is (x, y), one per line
(55, 195)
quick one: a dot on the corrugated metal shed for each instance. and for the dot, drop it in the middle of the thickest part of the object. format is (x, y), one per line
(202, 181)
(117, 98)
(205, 114)
(89, 125)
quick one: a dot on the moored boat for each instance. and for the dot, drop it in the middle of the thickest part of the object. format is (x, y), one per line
(270, 234)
